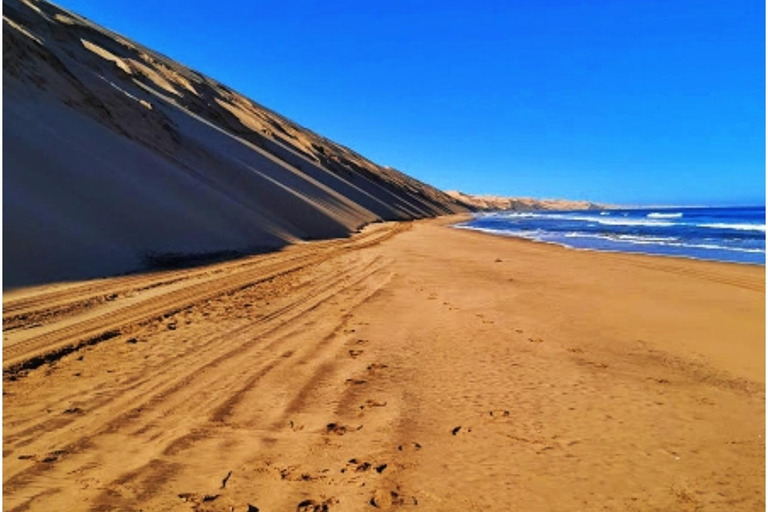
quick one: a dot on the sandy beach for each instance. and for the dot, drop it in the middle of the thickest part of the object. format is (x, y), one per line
(412, 366)
(210, 307)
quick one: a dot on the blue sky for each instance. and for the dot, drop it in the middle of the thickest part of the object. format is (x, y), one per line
(632, 102)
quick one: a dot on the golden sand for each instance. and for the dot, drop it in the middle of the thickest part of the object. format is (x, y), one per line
(413, 366)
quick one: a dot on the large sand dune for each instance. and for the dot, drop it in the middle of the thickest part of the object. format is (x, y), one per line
(118, 159)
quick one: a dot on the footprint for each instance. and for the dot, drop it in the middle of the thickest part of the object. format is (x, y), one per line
(414, 446)
(315, 506)
(536, 340)
(355, 382)
(54, 456)
(498, 413)
(457, 430)
(290, 474)
(575, 350)
(386, 499)
(286, 472)
(312, 506)
(357, 466)
(193, 497)
(360, 467)
(336, 428)
(355, 353)
(377, 366)
(372, 403)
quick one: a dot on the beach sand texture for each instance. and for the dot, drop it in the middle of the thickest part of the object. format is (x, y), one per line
(411, 367)
(116, 158)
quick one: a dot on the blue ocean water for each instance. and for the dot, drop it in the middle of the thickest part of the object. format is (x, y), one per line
(722, 234)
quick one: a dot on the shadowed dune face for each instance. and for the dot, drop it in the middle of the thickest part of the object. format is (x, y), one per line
(116, 156)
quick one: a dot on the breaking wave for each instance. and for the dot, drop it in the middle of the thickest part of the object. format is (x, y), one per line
(657, 215)
(724, 234)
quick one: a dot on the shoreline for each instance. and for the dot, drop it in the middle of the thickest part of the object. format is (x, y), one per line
(629, 248)
(608, 251)
(452, 220)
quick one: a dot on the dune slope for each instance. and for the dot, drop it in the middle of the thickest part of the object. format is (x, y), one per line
(118, 158)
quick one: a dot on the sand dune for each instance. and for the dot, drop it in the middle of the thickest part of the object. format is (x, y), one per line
(118, 158)
(487, 203)
(361, 374)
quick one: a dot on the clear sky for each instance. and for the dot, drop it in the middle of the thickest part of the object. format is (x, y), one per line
(633, 102)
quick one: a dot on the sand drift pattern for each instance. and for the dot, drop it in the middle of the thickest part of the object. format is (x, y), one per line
(722, 234)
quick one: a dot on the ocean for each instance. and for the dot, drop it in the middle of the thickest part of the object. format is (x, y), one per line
(720, 234)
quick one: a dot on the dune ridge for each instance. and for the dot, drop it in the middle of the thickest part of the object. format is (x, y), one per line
(496, 203)
(117, 159)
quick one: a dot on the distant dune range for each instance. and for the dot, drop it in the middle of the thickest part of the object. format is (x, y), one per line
(487, 203)
(117, 159)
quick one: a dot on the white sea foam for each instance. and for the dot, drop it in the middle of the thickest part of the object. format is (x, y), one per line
(640, 239)
(662, 241)
(658, 215)
(720, 248)
(651, 220)
(532, 234)
(585, 218)
(538, 235)
(737, 227)
(647, 238)
(636, 222)
(550, 237)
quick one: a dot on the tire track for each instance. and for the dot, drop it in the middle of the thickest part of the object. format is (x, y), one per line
(140, 398)
(33, 352)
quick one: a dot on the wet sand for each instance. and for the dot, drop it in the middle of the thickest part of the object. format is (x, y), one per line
(413, 366)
